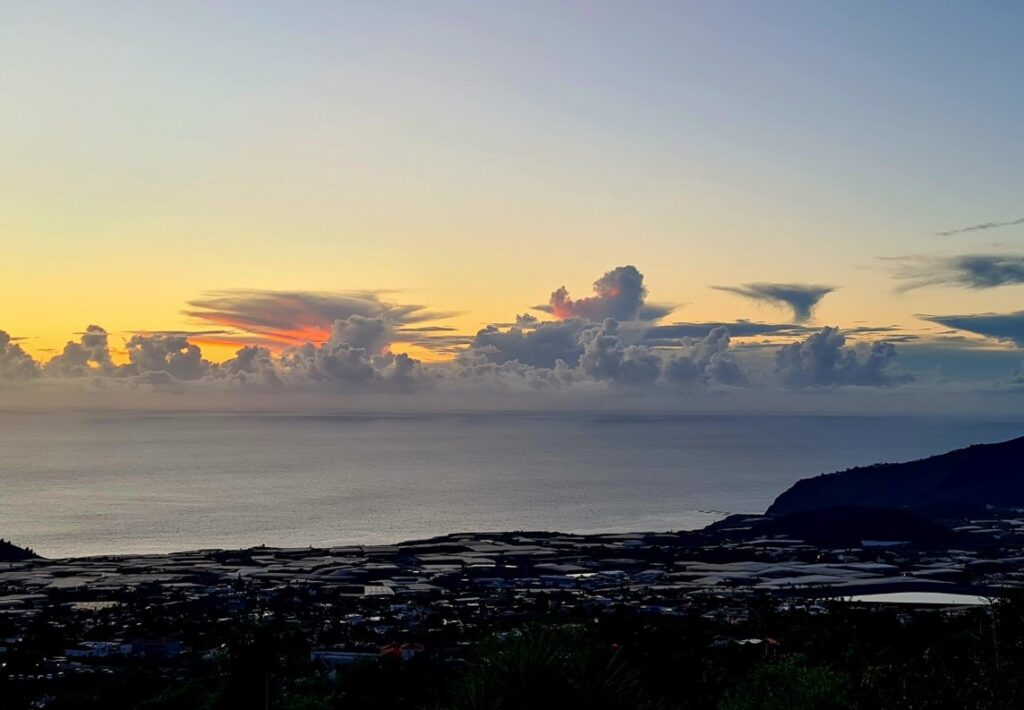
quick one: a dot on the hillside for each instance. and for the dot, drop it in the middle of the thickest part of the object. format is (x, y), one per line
(12, 553)
(958, 481)
(837, 526)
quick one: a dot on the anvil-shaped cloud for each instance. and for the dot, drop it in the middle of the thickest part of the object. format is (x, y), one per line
(801, 298)
(289, 318)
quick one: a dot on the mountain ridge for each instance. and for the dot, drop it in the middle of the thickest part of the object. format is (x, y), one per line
(957, 481)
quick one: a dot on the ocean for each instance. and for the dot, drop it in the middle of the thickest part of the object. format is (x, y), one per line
(74, 484)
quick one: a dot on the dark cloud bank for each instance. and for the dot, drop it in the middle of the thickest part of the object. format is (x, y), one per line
(1005, 327)
(977, 271)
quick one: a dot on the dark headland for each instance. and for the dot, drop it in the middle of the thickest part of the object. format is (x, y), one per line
(751, 612)
(960, 482)
(10, 552)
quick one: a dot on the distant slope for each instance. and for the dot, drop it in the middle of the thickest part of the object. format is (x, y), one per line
(13, 553)
(845, 526)
(980, 475)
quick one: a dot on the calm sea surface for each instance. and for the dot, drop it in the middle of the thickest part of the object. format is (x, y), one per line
(84, 484)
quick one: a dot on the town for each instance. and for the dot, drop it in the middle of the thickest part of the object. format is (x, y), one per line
(67, 626)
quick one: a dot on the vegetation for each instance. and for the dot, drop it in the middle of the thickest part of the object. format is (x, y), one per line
(848, 657)
(9, 552)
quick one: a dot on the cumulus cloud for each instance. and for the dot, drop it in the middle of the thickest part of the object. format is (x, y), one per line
(170, 354)
(619, 294)
(352, 356)
(370, 334)
(801, 298)
(823, 359)
(608, 352)
(706, 360)
(91, 354)
(981, 227)
(474, 371)
(15, 363)
(571, 356)
(605, 357)
(968, 271)
(1005, 327)
(283, 318)
(576, 353)
(532, 343)
(252, 363)
(338, 362)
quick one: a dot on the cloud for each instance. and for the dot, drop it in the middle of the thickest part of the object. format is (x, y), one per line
(704, 361)
(822, 360)
(15, 363)
(351, 356)
(370, 334)
(532, 343)
(619, 294)
(1004, 327)
(677, 334)
(184, 333)
(338, 362)
(284, 318)
(571, 356)
(348, 366)
(981, 227)
(707, 360)
(151, 358)
(351, 353)
(605, 357)
(173, 355)
(1013, 382)
(969, 271)
(608, 352)
(472, 371)
(673, 333)
(252, 364)
(90, 355)
(429, 329)
(801, 298)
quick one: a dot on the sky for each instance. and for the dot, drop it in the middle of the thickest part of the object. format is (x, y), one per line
(197, 178)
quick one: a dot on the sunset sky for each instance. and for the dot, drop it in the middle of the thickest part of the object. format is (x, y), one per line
(181, 168)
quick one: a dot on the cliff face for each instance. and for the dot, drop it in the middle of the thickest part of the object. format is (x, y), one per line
(966, 479)
(13, 553)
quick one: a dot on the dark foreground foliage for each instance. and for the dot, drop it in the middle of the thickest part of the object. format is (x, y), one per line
(848, 657)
